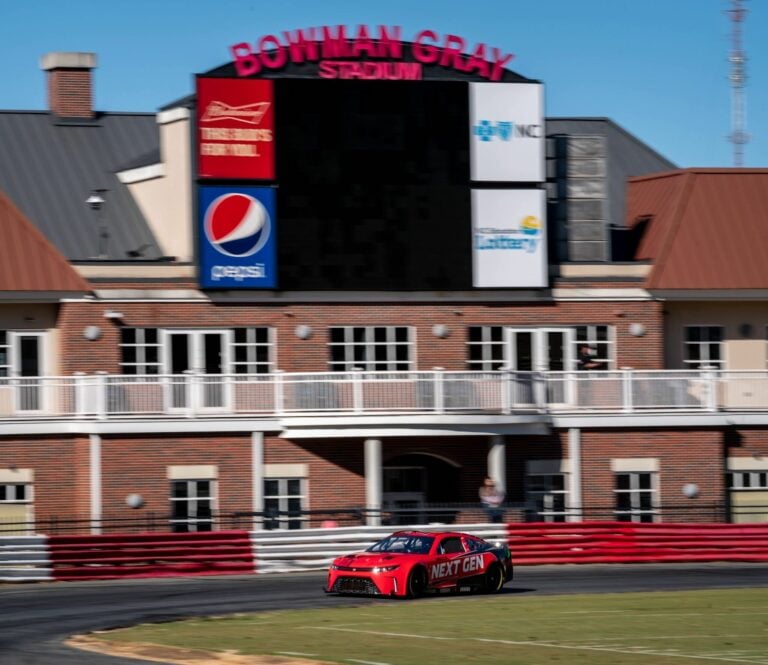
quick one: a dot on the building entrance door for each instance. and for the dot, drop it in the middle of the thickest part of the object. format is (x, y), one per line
(404, 494)
(28, 365)
(529, 350)
(203, 353)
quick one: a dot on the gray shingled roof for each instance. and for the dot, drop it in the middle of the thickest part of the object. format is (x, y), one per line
(49, 169)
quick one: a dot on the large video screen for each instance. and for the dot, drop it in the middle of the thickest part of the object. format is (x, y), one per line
(373, 185)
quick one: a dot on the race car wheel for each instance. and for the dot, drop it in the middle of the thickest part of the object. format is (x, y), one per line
(417, 582)
(494, 579)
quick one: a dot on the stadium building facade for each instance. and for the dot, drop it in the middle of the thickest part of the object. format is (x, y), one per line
(352, 272)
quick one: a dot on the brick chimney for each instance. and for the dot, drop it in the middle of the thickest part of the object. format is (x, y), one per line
(69, 83)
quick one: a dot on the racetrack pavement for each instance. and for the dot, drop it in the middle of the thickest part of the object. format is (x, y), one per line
(35, 619)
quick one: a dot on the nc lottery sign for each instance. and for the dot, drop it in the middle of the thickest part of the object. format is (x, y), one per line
(509, 240)
(237, 238)
(507, 132)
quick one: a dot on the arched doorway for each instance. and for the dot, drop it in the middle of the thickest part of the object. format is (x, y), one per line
(416, 487)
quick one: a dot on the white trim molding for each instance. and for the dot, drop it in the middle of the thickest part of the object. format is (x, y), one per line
(634, 464)
(94, 455)
(141, 174)
(173, 115)
(757, 463)
(17, 475)
(193, 472)
(286, 470)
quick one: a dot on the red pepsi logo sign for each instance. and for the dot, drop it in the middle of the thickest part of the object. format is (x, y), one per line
(237, 225)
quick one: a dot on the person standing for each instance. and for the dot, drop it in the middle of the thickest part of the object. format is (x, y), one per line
(586, 362)
(586, 359)
(492, 498)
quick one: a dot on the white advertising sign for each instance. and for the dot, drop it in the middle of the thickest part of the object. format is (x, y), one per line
(507, 132)
(509, 238)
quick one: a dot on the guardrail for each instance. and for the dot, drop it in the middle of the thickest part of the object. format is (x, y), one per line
(24, 559)
(104, 396)
(240, 552)
(629, 542)
(150, 555)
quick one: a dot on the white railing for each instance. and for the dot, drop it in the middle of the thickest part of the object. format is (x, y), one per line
(315, 549)
(104, 396)
(24, 559)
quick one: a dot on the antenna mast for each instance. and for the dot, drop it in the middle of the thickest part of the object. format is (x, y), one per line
(738, 76)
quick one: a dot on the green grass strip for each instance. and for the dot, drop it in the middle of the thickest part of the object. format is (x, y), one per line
(726, 626)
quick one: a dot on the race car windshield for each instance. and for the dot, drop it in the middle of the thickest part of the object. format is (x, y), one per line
(403, 545)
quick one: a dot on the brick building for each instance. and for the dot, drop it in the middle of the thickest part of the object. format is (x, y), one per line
(379, 358)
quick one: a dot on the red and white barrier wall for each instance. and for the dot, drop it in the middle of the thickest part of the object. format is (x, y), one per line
(117, 556)
(630, 542)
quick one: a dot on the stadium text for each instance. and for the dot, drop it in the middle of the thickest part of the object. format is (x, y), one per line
(333, 43)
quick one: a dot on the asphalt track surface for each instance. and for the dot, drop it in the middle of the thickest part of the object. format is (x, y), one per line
(36, 618)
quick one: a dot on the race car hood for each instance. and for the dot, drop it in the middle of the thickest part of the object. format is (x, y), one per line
(369, 560)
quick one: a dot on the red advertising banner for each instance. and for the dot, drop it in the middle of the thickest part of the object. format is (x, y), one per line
(235, 129)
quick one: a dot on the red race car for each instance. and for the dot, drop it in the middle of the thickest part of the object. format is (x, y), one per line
(410, 563)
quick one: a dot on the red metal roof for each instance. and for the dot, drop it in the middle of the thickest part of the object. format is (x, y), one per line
(28, 261)
(706, 228)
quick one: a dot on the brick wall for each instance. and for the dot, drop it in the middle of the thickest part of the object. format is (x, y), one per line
(60, 477)
(295, 355)
(685, 456)
(138, 464)
(70, 94)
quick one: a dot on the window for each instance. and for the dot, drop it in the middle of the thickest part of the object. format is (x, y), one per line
(598, 338)
(16, 509)
(451, 545)
(379, 348)
(635, 497)
(142, 350)
(485, 348)
(748, 480)
(191, 505)
(14, 493)
(284, 501)
(139, 351)
(5, 354)
(703, 347)
(548, 496)
(252, 351)
(748, 493)
(527, 349)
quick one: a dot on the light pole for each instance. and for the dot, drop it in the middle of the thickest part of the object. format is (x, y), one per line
(96, 202)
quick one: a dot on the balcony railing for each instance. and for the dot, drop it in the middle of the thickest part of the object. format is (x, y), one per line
(104, 396)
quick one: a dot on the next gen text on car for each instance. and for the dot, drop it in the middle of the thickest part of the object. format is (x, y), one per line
(410, 563)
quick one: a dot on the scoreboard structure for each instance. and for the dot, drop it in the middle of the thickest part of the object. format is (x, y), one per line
(329, 159)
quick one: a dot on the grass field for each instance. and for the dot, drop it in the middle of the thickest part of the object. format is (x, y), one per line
(728, 626)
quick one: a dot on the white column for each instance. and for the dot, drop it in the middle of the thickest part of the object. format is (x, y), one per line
(497, 461)
(257, 476)
(574, 491)
(373, 475)
(94, 455)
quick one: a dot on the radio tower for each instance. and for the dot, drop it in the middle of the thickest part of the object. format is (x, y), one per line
(738, 76)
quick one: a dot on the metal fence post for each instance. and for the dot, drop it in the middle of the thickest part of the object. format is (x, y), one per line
(101, 395)
(710, 381)
(439, 386)
(540, 391)
(189, 387)
(278, 385)
(357, 389)
(506, 389)
(626, 389)
(80, 386)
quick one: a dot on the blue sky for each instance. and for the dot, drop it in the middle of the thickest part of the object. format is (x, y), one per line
(657, 67)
